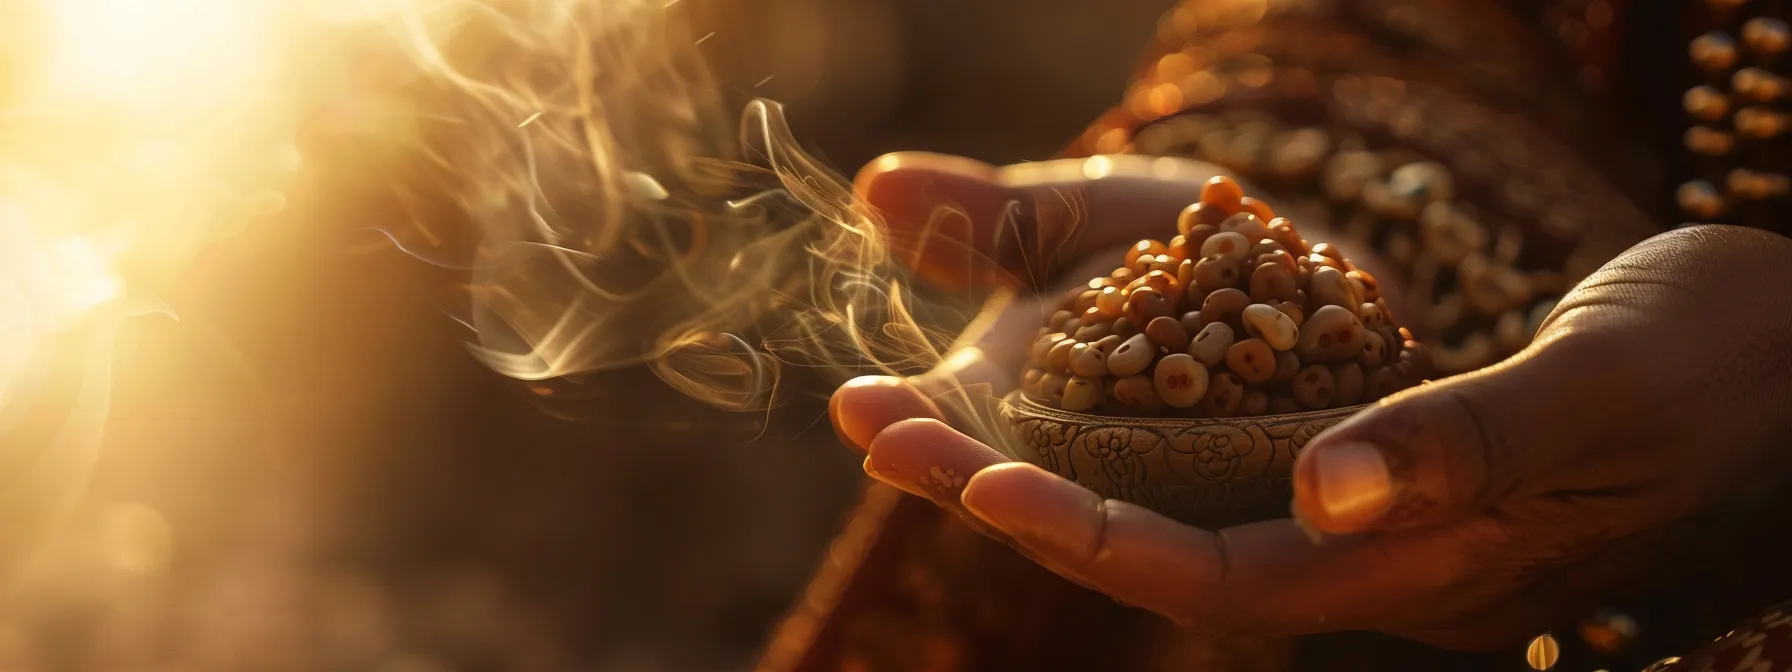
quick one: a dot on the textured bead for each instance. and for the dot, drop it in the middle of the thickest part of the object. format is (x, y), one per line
(1758, 84)
(1755, 184)
(1705, 103)
(1699, 199)
(1766, 35)
(1708, 141)
(1713, 51)
(1760, 123)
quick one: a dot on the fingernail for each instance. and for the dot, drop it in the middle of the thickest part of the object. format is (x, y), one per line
(890, 479)
(1353, 482)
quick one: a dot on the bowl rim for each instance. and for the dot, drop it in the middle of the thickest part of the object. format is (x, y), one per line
(1032, 407)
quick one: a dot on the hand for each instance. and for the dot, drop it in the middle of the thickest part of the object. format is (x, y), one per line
(1469, 513)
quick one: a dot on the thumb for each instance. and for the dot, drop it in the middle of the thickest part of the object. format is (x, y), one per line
(959, 222)
(1459, 446)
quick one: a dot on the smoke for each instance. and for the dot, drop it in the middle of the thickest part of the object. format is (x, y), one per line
(623, 214)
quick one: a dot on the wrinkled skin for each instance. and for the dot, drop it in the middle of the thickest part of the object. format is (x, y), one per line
(1470, 513)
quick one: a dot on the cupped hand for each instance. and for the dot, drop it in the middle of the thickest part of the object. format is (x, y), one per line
(1471, 512)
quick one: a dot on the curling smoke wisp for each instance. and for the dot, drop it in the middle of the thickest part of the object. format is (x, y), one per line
(623, 216)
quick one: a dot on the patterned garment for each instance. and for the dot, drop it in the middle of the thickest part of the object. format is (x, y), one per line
(1495, 153)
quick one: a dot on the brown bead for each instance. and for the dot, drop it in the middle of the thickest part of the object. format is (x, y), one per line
(1225, 305)
(1700, 199)
(1110, 301)
(1708, 141)
(1272, 282)
(1085, 301)
(1247, 225)
(1365, 284)
(1713, 51)
(1059, 318)
(1030, 380)
(1132, 357)
(1278, 258)
(1197, 238)
(1348, 377)
(1329, 251)
(1372, 315)
(1178, 247)
(1057, 359)
(1185, 272)
(1281, 404)
(1123, 276)
(1287, 364)
(1450, 234)
(1092, 316)
(1191, 322)
(1093, 332)
(1095, 284)
(1216, 272)
(1252, 360)
(1109, 343)
(1224, 193)
(1146, 304)
(1229, 244)
(1210, 345)
(1163, 263)
(1766, 35)
(1331, 334)
(1167, 332)
(1282, 231)
(1758, 84)
(1164, 283)
(1313, 387)
(1255, 402)
(1144, 248)
(1075, 324)
(1138, 392)
(1194, 217)
(1224, 394)
(1705, 103)
(1329, 287)
(1081, 394)
(1265, 246)
(1123, 327)
(1179, 380)
(1293, 311)
(1273, 326)
(1490, 287)
(1036, 354)
(1088, 361)
(1316, 261)
(1375, 351)
(1051, 386)
(1258, 208)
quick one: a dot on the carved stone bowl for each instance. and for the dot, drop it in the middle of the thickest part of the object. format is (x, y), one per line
(1206, 472)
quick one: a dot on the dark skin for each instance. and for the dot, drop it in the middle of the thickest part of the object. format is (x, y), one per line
(1470, 513)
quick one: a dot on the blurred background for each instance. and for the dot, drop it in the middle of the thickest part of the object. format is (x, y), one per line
(307, 471)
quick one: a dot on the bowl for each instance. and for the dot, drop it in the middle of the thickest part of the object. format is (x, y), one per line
(1206, 472)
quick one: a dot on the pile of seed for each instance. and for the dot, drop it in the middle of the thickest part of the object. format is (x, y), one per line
(1236, 316)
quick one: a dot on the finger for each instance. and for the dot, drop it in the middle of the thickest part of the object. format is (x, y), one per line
(866, 405)
(1265, 577)
(1444, 450)
(925, 457)
(960, 222)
